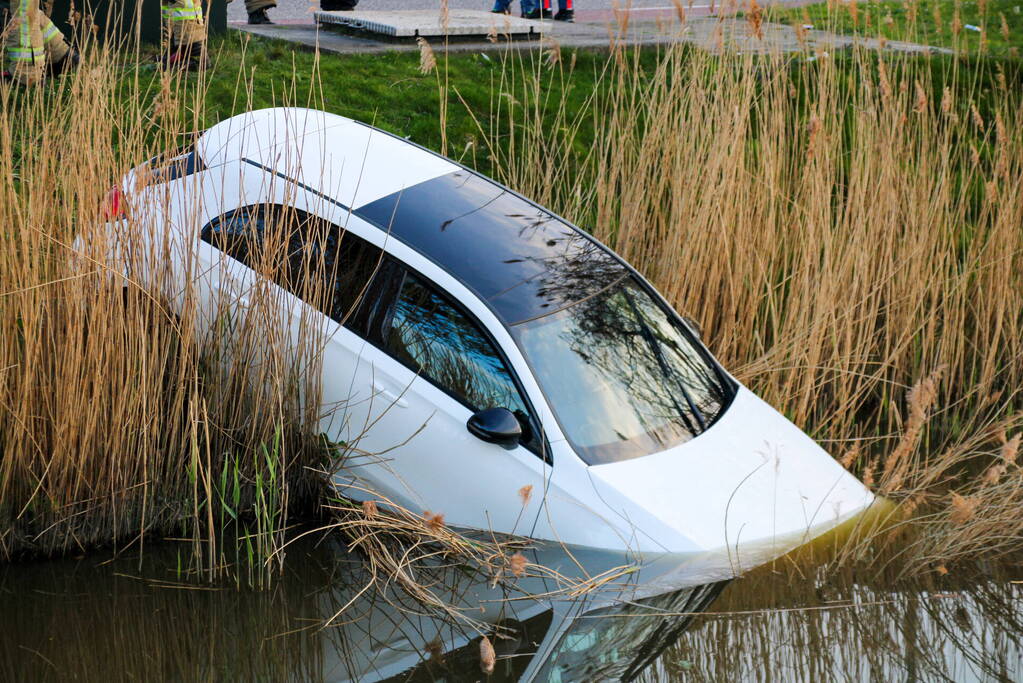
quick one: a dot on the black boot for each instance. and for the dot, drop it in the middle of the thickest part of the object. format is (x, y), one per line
(338, 5)
(259, 17)
(565, 15)
(68, 62)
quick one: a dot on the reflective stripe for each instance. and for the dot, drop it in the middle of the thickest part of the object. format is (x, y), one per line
(26, 53)
(182, 15)
(182, 11)
(50, 32)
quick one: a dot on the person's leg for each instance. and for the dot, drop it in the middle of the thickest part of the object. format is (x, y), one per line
(26, 57)
(257, 10)
(530, 8)
(565, 11)
(338, 5)
(187, 31)
(502, 7)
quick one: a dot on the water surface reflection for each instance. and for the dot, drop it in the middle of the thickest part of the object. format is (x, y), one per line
(122, 620)
(125, 620)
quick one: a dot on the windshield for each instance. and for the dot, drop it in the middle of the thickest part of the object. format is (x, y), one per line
(623, 380)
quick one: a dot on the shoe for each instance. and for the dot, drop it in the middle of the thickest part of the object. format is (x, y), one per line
(500, 11)
(565, 15)
(538, 14)
(259, 17)
(336, 6)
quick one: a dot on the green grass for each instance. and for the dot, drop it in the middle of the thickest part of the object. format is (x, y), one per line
(388, 90)
(931, 22)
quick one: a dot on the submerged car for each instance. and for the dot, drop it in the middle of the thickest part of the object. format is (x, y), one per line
(517, 374)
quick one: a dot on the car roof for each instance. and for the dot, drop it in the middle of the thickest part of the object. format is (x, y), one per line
(341, 158)
(521, 259)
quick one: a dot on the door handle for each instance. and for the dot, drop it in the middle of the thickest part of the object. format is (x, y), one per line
(389, 396)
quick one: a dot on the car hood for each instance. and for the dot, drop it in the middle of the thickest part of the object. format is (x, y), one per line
(753, 482)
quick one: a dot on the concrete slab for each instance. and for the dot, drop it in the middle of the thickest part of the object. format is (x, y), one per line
(430, 24)
(712, 34)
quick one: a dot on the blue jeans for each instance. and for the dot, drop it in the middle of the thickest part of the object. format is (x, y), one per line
(526, 5)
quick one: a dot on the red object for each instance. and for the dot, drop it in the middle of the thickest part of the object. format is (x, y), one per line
(547, 4)
(114, 205)
(568, 5)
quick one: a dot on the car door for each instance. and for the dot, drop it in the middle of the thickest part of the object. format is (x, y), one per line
(432, 365)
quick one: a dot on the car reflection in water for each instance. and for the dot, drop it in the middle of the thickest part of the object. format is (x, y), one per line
(112, 621)
(99, 620)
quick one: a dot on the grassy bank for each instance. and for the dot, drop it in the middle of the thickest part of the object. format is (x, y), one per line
(985, 27)
(845, 230)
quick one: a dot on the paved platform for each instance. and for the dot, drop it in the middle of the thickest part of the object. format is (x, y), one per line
(432, 23)
(714, 34)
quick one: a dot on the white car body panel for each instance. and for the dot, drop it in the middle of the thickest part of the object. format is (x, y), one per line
(752, 480)
(343, 159)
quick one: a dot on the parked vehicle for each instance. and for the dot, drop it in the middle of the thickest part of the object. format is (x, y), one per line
(488, 347)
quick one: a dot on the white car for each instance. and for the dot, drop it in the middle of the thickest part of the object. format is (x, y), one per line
(490, 346)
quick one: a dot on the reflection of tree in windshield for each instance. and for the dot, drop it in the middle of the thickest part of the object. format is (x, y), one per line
(435, 339)
(574, 269)
(621, 375)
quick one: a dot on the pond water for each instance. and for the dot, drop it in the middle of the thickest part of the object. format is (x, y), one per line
(106, 619)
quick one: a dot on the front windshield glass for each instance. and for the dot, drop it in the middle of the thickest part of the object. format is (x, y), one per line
(623, 380)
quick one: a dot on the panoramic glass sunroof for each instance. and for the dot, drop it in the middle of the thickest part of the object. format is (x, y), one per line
(522, 260)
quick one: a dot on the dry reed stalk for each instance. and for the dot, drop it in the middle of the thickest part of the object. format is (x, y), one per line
(488, 658)
(1010, 449)
(897, 464)
(427, 60)
(680, 12)
(755, 19)
(398, 545)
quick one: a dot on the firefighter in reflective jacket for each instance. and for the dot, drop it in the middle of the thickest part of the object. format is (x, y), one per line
(187, 32)
(34, 46)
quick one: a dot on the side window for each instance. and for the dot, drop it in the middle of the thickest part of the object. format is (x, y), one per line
(341, 260)
(237, 233)
(319, 262)
(434, 338)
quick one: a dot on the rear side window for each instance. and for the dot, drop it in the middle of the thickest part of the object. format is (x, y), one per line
(179, 163)
(321, 263)
(441, 343)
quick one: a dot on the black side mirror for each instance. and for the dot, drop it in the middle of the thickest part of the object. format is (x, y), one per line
(496, 425)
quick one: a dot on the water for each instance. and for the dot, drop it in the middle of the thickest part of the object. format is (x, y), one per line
(100, 619)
